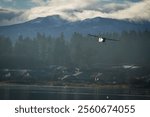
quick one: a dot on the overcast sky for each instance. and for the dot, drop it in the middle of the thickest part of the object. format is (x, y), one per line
(18, 11)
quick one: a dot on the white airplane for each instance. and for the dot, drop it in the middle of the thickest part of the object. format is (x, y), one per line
(102, 39)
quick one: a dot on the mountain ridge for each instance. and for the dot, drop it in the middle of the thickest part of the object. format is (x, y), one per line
(54, 25)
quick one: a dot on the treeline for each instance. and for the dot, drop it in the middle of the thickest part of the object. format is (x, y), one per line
(80, 51)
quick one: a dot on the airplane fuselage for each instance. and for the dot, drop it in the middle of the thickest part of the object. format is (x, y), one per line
(100, 40)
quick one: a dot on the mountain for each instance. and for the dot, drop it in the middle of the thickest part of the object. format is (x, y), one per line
(54, 25)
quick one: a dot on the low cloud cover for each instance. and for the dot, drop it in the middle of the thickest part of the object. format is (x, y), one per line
(73, 10)
(8, 17)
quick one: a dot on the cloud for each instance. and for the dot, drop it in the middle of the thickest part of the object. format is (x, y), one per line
(6, 0)
(8, 17)
(93, 8)
(113, 7)
(58, 7)
(74, 10)
(132, 11)
(137, 11)
(40, 2)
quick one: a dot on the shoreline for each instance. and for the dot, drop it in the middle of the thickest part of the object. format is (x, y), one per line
(67, 85)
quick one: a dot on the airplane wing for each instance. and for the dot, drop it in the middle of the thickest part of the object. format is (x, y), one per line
(103, 37)
(93, 35)
(111, 39)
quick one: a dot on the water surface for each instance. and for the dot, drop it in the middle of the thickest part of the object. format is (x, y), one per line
(37, 92)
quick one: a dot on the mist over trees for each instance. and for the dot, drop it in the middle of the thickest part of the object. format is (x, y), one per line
(80, 51)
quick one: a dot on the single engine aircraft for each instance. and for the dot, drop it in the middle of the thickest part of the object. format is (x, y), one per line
(102, 39)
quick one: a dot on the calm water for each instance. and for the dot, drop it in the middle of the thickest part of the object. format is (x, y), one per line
(34, 92)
